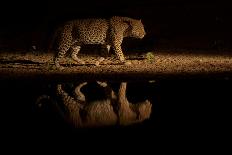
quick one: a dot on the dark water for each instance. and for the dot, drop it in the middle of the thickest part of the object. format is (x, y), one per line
(185, 113)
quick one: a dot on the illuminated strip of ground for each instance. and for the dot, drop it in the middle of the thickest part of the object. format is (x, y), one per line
(164, 65)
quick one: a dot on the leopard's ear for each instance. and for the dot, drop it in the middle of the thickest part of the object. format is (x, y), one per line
(116, 23)
(129, 22)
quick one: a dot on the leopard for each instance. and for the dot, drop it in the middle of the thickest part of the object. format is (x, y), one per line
(108, 33)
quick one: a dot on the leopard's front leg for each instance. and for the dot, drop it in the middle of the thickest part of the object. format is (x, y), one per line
(117, 41)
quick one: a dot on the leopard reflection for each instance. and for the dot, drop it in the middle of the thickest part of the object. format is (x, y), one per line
(114, 109)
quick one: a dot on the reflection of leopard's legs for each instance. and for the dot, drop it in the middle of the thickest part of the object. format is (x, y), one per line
(122, 95)
(74, 107)
(68, 101)
(109, 92)
(78, 94)
(75, 50)
(125, 114)
(110, 95)
(103, 84)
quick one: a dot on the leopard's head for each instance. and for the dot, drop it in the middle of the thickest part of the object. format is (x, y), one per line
(137, 29)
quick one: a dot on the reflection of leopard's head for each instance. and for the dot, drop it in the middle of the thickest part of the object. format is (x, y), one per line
(144, 110)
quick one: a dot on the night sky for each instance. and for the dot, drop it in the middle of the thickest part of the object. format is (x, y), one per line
(169, 23)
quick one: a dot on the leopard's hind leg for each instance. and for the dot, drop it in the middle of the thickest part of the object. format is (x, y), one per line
(62, 50)
(59, 56)
(106, 51)
(75, 50)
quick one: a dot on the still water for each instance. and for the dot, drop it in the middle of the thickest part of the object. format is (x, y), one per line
(172, 109)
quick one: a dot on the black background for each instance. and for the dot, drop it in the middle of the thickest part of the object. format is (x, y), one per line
(168, 23)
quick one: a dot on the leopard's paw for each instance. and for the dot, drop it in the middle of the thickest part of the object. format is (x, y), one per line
(127, 63)
(99, 61)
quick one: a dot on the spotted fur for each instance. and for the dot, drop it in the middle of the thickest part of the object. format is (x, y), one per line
(106, 32)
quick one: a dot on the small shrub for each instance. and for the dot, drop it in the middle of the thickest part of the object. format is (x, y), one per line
(150, 57)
